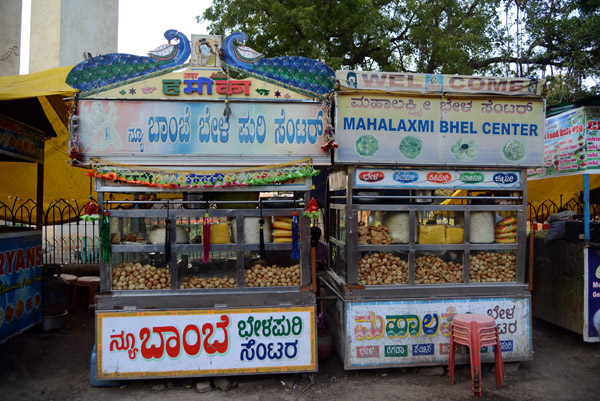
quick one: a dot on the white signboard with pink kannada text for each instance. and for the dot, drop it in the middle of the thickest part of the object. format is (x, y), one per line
(205, 342)
(437, 179)
(401, 82)
(127, 130)
(418, 130)
(418, 331)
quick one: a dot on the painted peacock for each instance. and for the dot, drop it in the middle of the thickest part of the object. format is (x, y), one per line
(303, 74)
(112, 68)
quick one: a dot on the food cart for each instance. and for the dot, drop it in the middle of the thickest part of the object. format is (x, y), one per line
(405, 254)
(20, 247)
(566, 278)
(203, 273)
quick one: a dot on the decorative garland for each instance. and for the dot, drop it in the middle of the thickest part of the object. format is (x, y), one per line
(174, 179)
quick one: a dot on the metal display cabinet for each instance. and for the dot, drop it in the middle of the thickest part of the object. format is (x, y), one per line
(222, 320)
(396, 287)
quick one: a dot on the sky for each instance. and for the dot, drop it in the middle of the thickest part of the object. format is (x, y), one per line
(142, 24)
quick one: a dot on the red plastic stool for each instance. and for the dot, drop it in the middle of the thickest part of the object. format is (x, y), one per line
(71, 281)
(93, 284)
(475, 331)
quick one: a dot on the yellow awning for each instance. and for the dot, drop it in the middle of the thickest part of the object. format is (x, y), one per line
(61, 180)
(44, 83)
(558, 190)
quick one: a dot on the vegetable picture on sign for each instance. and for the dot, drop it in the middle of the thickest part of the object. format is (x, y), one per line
(367, 146)
(514, 150)
(464, 150)
(411, 147)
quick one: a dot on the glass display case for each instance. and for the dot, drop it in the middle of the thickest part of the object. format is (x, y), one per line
(158, 247)
(453, 239)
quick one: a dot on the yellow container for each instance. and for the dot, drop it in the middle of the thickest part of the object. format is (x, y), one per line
(432, 234)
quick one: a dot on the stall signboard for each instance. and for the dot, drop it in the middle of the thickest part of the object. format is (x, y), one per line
(591, 298)
(418, 331)
(405, 129)
(205, 342)
(571, 143)
(20, 142)
(20, 282)
(193, 84)
(190, 131)
(402, 82)
(437, 179)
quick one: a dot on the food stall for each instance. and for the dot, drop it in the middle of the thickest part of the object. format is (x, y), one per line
(206, 265)
(20, 247)
(566, 275)
(405, 254)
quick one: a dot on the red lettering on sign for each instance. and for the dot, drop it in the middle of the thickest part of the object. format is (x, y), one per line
(440, 178)
(371, 176)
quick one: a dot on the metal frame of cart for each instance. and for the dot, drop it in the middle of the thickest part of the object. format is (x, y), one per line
(407, 324)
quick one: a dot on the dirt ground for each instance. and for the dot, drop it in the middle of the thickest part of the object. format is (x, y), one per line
(55, 365)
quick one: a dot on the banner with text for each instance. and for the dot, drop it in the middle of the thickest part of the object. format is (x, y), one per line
(411, 130)
(436, 179)
(20, 282)
(206, 342)
(591, 297)
(157, 128)
(571, 143)
(409, 332)
(402, 82)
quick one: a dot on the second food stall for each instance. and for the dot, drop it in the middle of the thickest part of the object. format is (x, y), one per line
(566, 269)
(21, 252)
(405, 254)
(206, 267)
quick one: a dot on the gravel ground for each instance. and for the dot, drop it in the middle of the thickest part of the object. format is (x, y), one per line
(55, 365)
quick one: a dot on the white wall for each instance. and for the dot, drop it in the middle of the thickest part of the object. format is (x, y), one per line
(10, 34)
(62, 30)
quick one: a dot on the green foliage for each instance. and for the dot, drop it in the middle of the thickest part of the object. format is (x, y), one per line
(536, 38)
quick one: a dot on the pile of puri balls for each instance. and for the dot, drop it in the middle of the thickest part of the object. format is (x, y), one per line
(135, 276)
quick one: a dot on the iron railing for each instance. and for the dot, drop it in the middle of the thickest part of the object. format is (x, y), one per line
(66, 239)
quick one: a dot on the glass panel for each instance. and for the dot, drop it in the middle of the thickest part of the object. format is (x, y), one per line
(383, 268)
(338, 260)
(133, 229)
(219, 272)
(440, 227)
(139, 271)
(377, 227)
(189, 229)
(493, 266)
(439, 267)
(338, 224)
(277, 270)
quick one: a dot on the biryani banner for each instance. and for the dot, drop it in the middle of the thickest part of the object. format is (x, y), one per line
(20, 282)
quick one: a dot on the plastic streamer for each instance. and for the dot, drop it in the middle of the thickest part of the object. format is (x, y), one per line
(206, 239)
(261, 234)
(295, 250)
(105, 238)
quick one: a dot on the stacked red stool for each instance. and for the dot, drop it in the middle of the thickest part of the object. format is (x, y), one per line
(93, 284)
(475, 331)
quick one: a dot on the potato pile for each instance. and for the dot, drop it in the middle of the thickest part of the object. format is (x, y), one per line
(382, 269)
(272, 276)
(135, 276)
(430, 269)
(374, 235)
(191, 281)
(493, 267)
